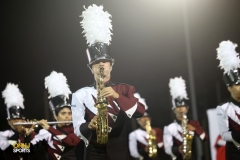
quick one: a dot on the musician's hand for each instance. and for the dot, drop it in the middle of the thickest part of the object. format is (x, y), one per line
(146, 149)
(93, 124)
(153, 132)
(29, 128)
(180, 149)
(190, 128)
(140, 157)
(44, 124)
(28, 131)
(108, 91)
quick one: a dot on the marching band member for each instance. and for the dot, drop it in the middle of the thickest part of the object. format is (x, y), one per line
(59, 140)
(228, 113)
(173, 137)
(138, 139)
(17, 134)
(121, 102)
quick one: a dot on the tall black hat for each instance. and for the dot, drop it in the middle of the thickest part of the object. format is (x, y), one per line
(14, 101)
(229, 62)
(59, 91)
(97, 27)
(178, 92)
(58, 102)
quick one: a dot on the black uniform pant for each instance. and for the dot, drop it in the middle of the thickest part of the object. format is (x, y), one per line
(114, 149)
(232, 153)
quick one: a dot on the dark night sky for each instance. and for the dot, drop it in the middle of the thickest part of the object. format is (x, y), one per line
(148, 45)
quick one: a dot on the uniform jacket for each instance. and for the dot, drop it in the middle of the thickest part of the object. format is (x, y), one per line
(83, 109)
(59, 142)
(172, 137)
(228, 115)
(10, 137)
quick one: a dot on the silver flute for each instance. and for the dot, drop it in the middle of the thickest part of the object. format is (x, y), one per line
(30, 123)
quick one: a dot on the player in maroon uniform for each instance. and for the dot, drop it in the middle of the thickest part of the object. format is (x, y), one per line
(138, 142)
(17, 134)
(59, 140)
(228, 113)
(122, 103)
(173, 132)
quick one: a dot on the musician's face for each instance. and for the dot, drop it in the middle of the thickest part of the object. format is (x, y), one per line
(64, 114)
(142, 121)
(102, 63)
(16, 128)
(180, 111)
(235, 92)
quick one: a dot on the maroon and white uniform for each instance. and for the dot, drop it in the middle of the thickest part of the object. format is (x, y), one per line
(229, 125)
(83, 110)
(59, 142)
(138, 142)
(8, 138)
(172, 137)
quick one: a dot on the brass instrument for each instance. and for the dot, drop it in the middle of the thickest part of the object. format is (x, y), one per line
(187, 140)
(151, 138)
(101, 105)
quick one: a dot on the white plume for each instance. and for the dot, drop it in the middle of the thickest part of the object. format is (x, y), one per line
(229, 59)
(56, 83)
(177, 88)
(13, 96)
(96, 25)
(141, 100)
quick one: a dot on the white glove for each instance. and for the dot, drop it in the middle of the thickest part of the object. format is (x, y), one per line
(12, 142)
(140, 157)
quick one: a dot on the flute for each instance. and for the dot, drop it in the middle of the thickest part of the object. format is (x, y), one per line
(32, 123)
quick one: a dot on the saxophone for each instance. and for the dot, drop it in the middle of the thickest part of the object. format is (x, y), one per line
(101, 105)
(151, 138)
(187, 140)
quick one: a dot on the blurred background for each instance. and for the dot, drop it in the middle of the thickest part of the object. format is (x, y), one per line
(152, 42)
